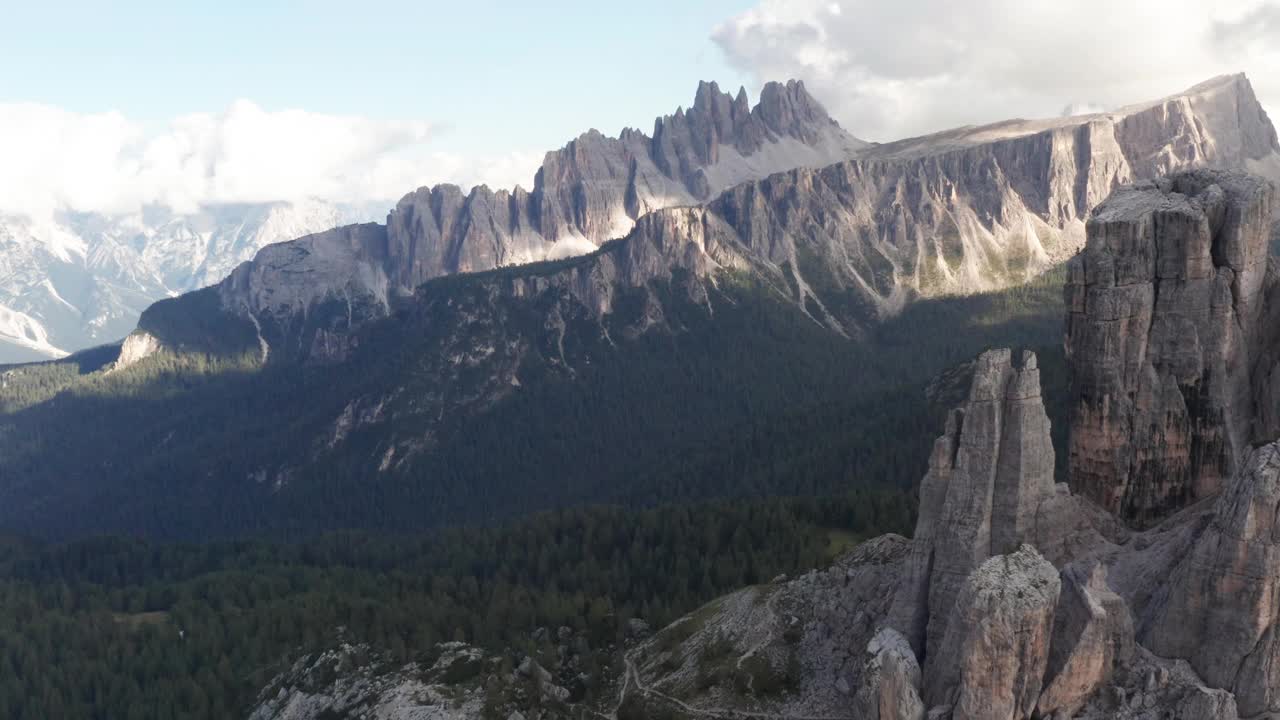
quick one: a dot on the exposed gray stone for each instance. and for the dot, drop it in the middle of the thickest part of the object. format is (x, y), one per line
(959, 212)
(890, 687)
(1162, 328)
(991, 663)
(1219, 609)
(987, 476)
(1092, 634)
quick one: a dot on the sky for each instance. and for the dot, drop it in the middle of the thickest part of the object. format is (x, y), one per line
(112, 106)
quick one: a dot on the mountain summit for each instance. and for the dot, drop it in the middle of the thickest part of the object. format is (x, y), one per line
(594, 188)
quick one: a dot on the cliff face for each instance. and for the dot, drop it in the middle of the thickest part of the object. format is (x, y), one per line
(1101, 631)
(980, 208)
(992, 660)
(1219, 611)
(309, 296)
(856, 231)
(1163, 332)
(596, 187)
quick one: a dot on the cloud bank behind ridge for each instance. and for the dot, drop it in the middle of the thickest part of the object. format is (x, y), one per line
(55, 159)
(889, 70)
(885, 70)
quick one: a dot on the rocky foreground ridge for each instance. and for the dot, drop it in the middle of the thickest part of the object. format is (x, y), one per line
(852, 232)
(1082, 618)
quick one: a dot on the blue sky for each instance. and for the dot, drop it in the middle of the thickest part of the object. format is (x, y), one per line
(533, 74)
(111, 106)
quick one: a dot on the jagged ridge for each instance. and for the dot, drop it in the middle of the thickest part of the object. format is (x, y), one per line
(855, 241)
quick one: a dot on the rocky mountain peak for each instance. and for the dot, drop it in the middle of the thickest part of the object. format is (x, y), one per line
(790, 110)
(595, 187)
(988, 475)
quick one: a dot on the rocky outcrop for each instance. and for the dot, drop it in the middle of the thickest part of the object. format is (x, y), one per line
(1092, 635)
(991, 662)
(978, 601)
(1219, 609)
(1153, 687)
(138, 346)
(347, 264)
(890, 680)
(1162, 331)
(826, 625)
(987, 476)
(596, 187)
(451, 681)
(306, 298)
(354, 681)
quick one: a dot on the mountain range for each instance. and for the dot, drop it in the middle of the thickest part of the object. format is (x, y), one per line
(850, 242)
(360, 357)
(1141, 587)
(74, 280)
(682, 363)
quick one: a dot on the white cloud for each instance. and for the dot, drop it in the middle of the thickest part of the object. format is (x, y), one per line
(895, 69)
(52, 159)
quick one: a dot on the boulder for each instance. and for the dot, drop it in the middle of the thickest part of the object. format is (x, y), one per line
(1202, 703)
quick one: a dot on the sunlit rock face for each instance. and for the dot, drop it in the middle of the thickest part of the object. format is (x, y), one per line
(1163, 332)
(596, 187)
(856, 231)
(983, 208)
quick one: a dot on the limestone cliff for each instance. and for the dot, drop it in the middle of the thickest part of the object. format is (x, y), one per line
(596, 187)
(987, 476)
(856, 231)
(992, 660)
(1163, 328)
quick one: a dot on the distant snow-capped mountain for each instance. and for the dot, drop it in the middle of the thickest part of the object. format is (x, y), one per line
(75, 280)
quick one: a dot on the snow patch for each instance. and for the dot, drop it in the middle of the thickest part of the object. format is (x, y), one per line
(24, 331)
